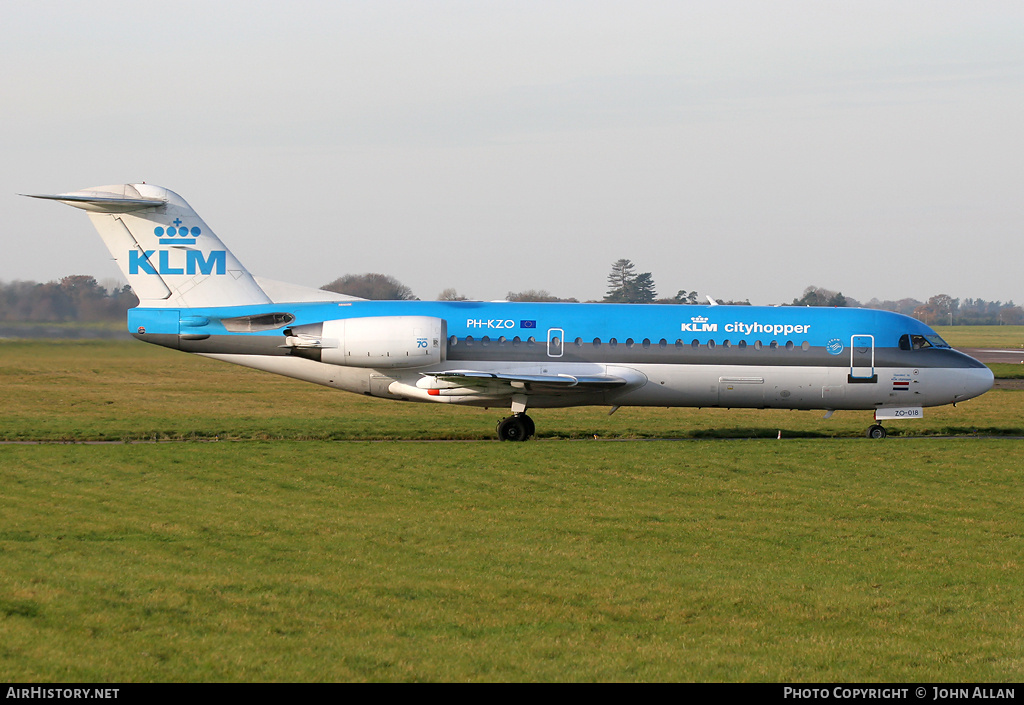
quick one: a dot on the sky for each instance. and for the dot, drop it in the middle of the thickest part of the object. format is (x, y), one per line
(745, 150)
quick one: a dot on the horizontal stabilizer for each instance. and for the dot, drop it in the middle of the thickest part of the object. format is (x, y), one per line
(99, 201)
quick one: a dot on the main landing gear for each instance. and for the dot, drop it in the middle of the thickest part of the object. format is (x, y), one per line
(517, 427)
(876, 431)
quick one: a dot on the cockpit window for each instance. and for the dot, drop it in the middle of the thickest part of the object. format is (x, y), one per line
(920, 342)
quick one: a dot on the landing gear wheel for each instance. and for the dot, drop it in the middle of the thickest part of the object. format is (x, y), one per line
(512, 429)
(876, 431)
(517, 427)
(531, 428)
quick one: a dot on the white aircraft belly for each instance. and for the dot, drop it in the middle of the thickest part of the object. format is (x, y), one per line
(788, 387)
(732, 386)
(729, 386)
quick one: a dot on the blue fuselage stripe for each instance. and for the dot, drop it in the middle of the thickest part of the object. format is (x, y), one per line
(816, 326)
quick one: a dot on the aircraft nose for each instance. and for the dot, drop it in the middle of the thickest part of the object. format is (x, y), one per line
(975, 382)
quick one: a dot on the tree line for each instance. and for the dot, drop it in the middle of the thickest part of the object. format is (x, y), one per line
(74, 298)
(82, 298)
(939, 310)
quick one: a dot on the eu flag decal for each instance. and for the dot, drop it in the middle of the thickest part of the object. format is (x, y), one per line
(527, 324)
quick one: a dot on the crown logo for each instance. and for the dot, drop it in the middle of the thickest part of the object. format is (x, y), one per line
(177, 235)
(699, 319)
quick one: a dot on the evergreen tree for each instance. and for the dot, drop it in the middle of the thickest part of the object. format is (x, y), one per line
(643, 289)
(620, 282)
(625, 286)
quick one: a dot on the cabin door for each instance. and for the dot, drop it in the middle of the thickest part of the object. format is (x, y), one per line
(862, 358)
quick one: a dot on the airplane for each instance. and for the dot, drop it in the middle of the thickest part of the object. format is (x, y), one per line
(195, 296)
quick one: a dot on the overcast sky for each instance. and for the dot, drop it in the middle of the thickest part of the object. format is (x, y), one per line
(740, 149)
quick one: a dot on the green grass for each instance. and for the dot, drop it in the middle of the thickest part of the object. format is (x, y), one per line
(113, 326)
(982, 336)
(736, 561)
(815, 558)
(1003, 370)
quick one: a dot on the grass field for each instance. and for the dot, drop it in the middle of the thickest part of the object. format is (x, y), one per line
(811, 558)
(982, 336)
(694, 560)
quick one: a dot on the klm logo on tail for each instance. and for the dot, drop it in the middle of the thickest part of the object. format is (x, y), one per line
(184, 235)
(195, 262)
(141, 262)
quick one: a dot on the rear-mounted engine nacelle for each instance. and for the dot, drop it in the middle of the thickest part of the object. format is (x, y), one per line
(379, 341)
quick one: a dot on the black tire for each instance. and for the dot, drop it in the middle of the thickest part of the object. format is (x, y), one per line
(531, 428)
(876, 431)
(512, 429)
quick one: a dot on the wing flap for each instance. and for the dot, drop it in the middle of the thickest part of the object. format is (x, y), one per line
(528, 383)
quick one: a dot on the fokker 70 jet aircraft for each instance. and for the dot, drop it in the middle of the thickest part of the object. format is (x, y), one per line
(195, 296)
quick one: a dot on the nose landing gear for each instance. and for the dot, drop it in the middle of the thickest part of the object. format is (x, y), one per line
(876, 431)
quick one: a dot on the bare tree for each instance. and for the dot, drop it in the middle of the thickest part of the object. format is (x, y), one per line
(380, 287)
(534, 295)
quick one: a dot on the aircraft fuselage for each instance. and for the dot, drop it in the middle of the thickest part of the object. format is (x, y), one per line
(669, 355)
